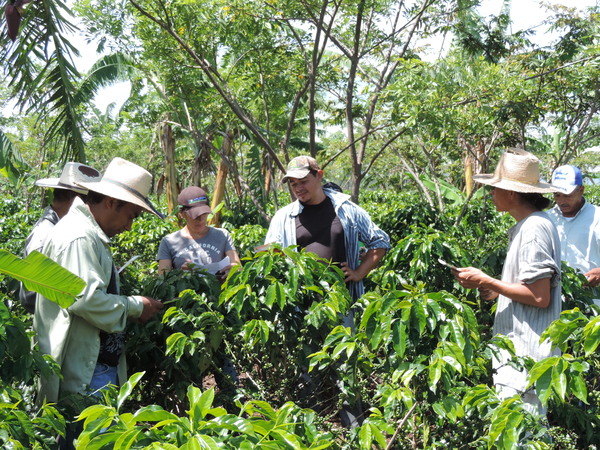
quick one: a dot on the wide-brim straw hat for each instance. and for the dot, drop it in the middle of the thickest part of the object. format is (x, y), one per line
(73, 173)
(517, 171)
(125, 181)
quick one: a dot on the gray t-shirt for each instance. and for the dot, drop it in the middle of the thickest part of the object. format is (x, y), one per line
(533, 254)
(210, 249)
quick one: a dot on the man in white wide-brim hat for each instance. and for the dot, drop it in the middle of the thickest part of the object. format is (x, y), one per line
(529, 291)
(87, 339)
(65, 189)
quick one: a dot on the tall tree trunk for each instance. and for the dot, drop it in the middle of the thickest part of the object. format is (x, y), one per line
(168, 144)
(354, 60)
(219, 192)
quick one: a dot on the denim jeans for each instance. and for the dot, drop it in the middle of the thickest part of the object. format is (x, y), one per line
(104, 375)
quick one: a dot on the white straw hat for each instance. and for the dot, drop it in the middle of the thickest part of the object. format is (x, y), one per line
(73, 173)
(125, 181)
(517, 171)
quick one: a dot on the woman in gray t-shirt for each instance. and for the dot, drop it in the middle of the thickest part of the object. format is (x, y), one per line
(528, 293)
(196, 243)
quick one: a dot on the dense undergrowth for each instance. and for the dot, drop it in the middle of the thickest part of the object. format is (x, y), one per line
(263, 361)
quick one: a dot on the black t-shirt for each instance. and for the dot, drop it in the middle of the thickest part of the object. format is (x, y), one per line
(111, 344)
(319, 230)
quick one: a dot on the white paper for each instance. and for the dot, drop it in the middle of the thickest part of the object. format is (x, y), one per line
(215, 267)
(128, 262)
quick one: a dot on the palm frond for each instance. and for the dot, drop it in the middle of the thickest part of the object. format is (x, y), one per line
(108, 70)
(43, 76)
(12, 164)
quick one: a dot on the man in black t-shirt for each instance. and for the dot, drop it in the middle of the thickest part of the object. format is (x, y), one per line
(326, 222)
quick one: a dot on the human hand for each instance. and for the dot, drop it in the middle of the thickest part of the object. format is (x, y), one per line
(151, 307)
(188, 265)
(593, 277)
(471, 278)
(487, 294)
(350, 274)
(223, 273)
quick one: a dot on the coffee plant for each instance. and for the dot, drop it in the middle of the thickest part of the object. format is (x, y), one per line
(268, 359)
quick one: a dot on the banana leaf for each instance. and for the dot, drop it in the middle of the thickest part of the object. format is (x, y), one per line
(40, 274)
(12, 164)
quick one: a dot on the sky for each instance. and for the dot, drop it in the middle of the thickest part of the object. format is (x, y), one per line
(525, 14)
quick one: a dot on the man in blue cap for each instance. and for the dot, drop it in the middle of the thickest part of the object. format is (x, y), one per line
(578, 224)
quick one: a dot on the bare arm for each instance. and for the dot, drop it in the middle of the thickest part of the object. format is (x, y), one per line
(368, 263)
(151, 307)
(233, 257)
(164, 265)
(533, 294)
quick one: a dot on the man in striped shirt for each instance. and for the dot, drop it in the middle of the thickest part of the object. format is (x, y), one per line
(326, 222)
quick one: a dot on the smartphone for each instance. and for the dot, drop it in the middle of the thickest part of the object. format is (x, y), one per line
(444, 263)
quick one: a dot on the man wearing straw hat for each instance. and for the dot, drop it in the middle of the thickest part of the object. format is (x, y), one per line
(65, 189)
(529, 291)
(87, 339)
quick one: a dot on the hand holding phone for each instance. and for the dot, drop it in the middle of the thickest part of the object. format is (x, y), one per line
(444, 263)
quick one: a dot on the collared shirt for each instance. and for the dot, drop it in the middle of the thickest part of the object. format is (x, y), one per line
(72, 336)
(35, 241)
(579, 236)
(357, 224)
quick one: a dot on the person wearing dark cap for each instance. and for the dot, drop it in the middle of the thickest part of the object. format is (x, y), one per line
(87, 338)
(65, 190)
(324, 221)
(578, 224)
(197, 244)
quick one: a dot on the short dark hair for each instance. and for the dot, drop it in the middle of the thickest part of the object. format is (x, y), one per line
(63, 195)
(93, 198)
(535, 199)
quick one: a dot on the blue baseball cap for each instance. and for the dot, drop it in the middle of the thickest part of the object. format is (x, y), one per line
(567, 178)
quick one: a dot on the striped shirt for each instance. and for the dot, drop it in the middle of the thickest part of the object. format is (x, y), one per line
(356, 222)
(533, 254)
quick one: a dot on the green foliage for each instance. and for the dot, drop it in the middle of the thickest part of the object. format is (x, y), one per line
(575, 289)
(247, 238)
(398, 213)
(142, 240)
(571, 382)
(415, 259)
(22, 425)
(12, 164)
(204, 425)
(419, 355)
(181, 344)
(414, 348)
(18, 362)
(281, 305)
(19, 429)
(40, 274)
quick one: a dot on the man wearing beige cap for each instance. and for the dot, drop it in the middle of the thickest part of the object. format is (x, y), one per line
(65, 189)
(87, 338)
